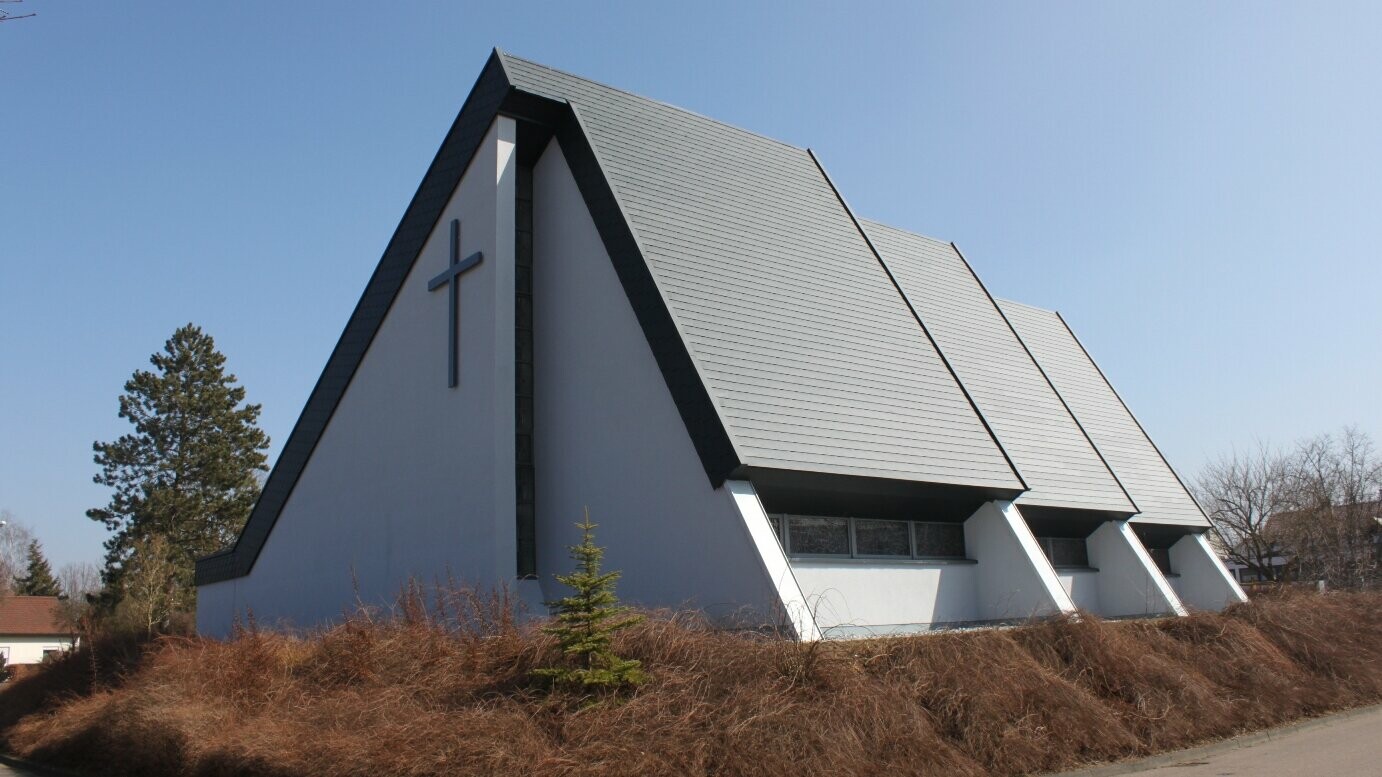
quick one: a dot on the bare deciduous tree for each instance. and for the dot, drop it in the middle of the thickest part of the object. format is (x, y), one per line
(1333, 529)
(1241, 493)
(79, 580)
(15, 538)
(150, 585)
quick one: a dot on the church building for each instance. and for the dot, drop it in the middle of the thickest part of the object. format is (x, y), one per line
(779, 412)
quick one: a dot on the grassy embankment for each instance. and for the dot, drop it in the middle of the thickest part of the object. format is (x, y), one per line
(410, 694)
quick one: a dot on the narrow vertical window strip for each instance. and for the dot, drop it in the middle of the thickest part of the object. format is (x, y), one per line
(525, 512)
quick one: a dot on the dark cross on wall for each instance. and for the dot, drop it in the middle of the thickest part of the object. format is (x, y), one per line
(451, 277)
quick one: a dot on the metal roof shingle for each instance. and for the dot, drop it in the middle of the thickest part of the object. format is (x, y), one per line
(809, 352)
(1130, 452)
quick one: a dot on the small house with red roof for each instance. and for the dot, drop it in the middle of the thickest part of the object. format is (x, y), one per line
(32, 628)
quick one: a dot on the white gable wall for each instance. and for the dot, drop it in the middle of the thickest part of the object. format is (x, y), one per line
(411, 479)
(608, 436)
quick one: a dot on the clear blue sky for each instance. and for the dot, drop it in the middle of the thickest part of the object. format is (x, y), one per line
(1198, 187)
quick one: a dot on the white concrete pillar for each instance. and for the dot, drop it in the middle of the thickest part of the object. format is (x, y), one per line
(1015, 578)
(1205, 583)
(795, 609)
(1129, 582)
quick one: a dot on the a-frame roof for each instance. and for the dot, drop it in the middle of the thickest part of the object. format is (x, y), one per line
(807, 350)
(779, 329)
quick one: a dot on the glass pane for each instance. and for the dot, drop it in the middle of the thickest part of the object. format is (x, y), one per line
(940, 540)
(776, 521)
(1066, 551)
(880, 538)
(819, 536)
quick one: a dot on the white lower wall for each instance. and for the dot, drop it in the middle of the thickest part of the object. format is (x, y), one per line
(850, 597)
(1083, 587)
(1204, 583)
(29, 650)
(1009, 579)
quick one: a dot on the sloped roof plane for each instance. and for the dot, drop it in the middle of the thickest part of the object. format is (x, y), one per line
(781, 332)
(37, 616)
(1047, 445)
(1159, 493)
(810, 355)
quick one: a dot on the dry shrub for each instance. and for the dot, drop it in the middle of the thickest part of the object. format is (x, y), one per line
(1166, 703)
(998, 705)
(1244, 667)
(442, 685)
(1336, 639)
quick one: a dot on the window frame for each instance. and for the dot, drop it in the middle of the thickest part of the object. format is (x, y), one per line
(1157, 555)
(854, 541)
(1048, 550)
(784, 538)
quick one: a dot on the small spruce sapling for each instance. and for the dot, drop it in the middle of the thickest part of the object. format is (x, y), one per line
(585, 622)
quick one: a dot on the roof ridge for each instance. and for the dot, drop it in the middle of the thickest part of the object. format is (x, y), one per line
(506, 55)
(913, 233)
(1027, 305)
(997, 299)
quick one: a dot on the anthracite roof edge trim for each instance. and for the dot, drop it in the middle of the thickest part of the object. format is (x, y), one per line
(1131, 415)
(721, 122)
(492, 92)
(917, 316)
(1045, 377)
(699, 412)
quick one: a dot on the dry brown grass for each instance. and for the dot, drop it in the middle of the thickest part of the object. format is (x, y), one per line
(416, 694)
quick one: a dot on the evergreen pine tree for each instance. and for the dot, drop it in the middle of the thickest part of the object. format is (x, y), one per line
(187, 471)
(587, 619)
(38, 579)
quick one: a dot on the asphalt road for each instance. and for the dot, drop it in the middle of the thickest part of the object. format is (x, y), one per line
(1351, 746)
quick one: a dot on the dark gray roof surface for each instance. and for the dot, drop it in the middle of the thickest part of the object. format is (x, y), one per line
(810, 355)
(1135, 460)
(1050, 450)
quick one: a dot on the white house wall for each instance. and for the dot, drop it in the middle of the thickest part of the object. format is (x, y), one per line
(411, 479)
(608, 436)
(29, 650)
